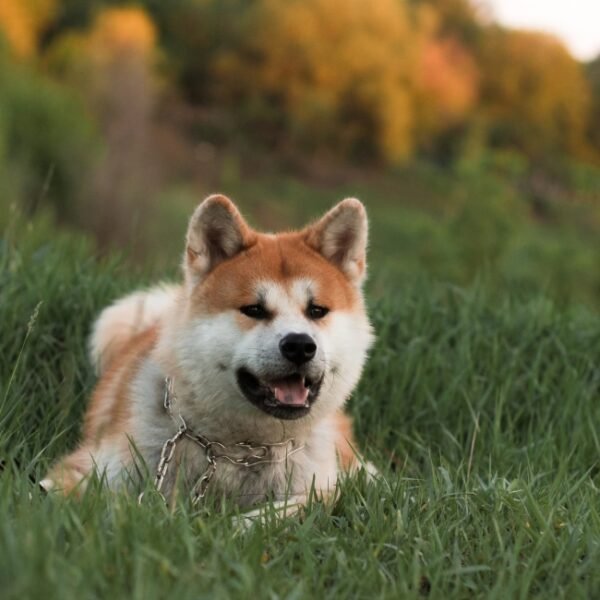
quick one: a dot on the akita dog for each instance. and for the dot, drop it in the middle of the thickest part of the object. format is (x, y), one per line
(233, 382)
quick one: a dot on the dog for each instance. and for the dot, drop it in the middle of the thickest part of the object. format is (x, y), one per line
(233, 383)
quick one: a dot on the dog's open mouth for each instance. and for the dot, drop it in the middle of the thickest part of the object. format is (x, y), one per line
(289, 397)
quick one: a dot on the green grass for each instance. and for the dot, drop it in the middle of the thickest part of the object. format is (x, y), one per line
(451, 224)
(481, 409)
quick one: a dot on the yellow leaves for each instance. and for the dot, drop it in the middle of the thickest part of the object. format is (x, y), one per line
(21, 22)
(341, 70)
(122, 38)
(537, 90)
(371, 79)
(122, 30)
(15, 24)
(116, 33)
(396, 136)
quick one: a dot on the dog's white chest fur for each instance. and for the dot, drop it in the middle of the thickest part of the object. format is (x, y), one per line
(265, 339)
(280, 469)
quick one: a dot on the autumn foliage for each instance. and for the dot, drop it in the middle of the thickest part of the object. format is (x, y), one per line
(123, 30)
(536, 96)
(370, 81)
(448, 83)
(342, 72)
(22, 21)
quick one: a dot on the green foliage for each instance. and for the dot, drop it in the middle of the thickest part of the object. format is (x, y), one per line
(456, 226)
(593, 74)
(194, 33)
(535, 94)
(47, 142)
(480, 410)
(51, 278)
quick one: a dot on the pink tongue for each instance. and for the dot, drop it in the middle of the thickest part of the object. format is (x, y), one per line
(292, 393)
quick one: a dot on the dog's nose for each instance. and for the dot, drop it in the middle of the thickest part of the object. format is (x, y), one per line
(298, 348)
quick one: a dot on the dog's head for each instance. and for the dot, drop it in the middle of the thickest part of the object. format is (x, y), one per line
(274, 324)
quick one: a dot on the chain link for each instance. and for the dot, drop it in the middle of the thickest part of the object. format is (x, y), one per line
(201, 485)
(256, 454)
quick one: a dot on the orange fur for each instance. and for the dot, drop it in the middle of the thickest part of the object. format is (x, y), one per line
(280, 258)
(69, 472)
(107, 414)
(224, 264)
(345, 445)
(109, 408)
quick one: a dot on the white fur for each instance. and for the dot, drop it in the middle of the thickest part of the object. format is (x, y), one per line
(212, 403)
(341, 237)
(125, 318)
(204, 352)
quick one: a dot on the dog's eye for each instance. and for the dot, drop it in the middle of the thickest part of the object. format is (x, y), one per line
(255, 311)
(316, 312)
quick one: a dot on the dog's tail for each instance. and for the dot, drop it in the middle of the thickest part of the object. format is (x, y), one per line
(124, 319)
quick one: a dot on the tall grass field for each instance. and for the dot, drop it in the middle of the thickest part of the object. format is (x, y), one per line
(480, 406)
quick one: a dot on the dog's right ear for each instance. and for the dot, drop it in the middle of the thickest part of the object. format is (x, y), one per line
(341, 237)
(217, 232)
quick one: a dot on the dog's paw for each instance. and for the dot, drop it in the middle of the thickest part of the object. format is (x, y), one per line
(282, 509)
(371, 470)
(47, 485)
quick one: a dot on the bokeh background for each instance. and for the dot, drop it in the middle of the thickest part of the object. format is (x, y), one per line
(475, 146)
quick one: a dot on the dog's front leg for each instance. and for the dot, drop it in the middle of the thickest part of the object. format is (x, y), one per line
(69, 475)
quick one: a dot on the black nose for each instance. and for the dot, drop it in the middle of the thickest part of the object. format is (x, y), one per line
(298, 348)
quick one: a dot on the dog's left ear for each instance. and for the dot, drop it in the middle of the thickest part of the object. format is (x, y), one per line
(341, 237)
(217, 232)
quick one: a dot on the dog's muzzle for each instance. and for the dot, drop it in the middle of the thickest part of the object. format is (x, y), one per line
(289, 397)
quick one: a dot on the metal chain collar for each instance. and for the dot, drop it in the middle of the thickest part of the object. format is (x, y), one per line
(255, 455)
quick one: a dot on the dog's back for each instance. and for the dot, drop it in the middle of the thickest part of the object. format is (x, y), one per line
(126, 318)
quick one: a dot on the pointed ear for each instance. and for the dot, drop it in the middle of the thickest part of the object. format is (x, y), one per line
(216, 233)
(341, 237)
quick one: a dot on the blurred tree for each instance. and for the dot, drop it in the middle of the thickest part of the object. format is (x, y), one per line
(376, 81)
(194, 32)
(23, 21)
(120, 31)
(448, 76)
(463, 20)
(335, 73)
(535, 95)
(47, 142)
(73, 15)
(113, 64)
(593, 76)
(448, 84)
(114, 57)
